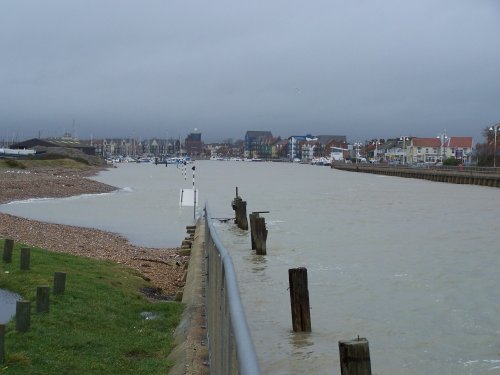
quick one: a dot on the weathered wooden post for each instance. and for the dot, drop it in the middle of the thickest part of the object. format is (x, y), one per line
(23, 315)
(59, 282)
(253, 216)
(240, 209)
(25, 258)
(260, 236)
(42, 299)
(8, 246)
(299, 299)
(2, 343)
(355, 357)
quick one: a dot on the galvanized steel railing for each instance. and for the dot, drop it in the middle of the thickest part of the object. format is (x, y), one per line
(231, 348)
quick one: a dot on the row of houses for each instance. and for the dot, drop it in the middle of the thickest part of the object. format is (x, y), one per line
(263, 145)
(412, 150)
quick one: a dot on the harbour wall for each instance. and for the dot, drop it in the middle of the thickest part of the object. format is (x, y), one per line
(470, 176)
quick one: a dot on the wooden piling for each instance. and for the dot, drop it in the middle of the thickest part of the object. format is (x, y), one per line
(23, 310)
(59, 282)
(25, 258)
(355, 357)
(2, 343)
(299, 299)
(8, 246)
(260, 236)
(240, 209)
(42, 299)
(253, 216)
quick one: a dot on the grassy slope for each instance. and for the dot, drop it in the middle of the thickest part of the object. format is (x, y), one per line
(95, 327)
(33, 164)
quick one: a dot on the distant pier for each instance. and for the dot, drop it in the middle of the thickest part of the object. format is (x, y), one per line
(453, 175)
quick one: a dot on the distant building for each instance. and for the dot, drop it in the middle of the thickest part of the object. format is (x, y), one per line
(258, 144)
(431, 150)
(305, 147)
(193, 143)
(294, 146)
(37, 143)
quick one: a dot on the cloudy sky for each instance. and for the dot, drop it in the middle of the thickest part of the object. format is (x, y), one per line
(158, 68)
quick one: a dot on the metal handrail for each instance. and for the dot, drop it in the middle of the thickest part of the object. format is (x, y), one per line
(227, 325)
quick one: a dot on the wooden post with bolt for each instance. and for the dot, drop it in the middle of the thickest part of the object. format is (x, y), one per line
(355, 357)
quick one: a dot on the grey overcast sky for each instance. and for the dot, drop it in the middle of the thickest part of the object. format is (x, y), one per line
(158, 68)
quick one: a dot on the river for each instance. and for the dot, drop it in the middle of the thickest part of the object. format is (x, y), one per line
(411, 265)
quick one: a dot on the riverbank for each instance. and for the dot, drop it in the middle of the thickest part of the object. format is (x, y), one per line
(163, 267)
(454, 175)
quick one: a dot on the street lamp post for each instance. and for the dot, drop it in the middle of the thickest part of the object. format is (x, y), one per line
(357, 144)
(443, 138)
(495, 128)
(404, 139)
(376, 150)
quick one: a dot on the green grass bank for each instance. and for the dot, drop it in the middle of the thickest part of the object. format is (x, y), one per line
(98, 326)
(56, 162)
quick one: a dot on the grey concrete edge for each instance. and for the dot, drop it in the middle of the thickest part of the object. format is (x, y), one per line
(190, 355)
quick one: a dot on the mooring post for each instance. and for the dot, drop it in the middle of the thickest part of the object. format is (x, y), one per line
(25, 258)
(260, 236)
(355, 357)
(243, 215)
(42, 299)
(59, 282)
(299, 299)
(253, 216)
(2, 343)
(23, 315)
(8, 246)
(240, 209)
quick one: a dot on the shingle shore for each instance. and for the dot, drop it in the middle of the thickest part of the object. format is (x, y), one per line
(163, 267)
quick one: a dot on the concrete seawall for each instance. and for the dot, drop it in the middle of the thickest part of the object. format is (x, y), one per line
(190, 356)
(453, 176)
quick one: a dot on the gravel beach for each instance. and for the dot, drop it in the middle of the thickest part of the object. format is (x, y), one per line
(163, 267)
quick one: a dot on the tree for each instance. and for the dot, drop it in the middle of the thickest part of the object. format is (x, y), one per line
(485, 151)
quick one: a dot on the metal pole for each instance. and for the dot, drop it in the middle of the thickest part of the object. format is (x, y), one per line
(194, 192)
(404, 150)
(495, 150)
